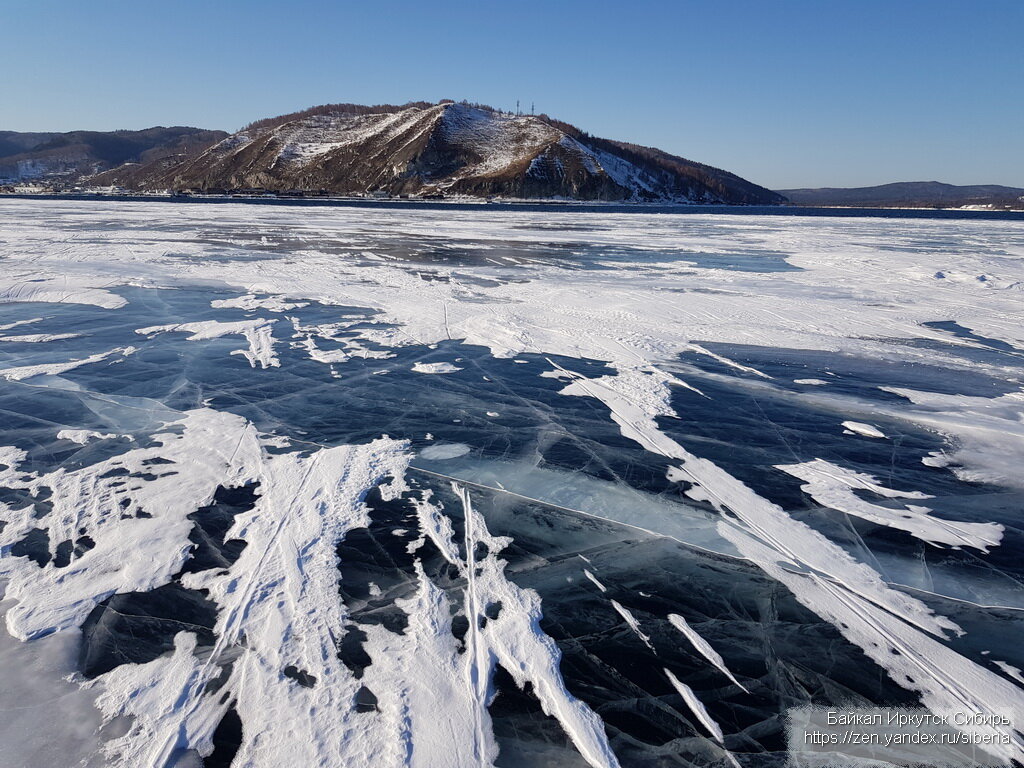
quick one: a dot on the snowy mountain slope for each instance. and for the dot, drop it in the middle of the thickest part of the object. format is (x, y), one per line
(444, 148)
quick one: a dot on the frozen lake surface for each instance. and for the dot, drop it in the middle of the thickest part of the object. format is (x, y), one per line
(381, 487)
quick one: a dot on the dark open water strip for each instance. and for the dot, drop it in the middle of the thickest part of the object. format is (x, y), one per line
(741, 210)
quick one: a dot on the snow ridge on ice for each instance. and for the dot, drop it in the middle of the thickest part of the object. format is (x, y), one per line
(513, 639)
(703, 647)
(257, 332)
(833, 486)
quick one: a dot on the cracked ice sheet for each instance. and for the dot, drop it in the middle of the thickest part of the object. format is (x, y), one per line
(897, 631)
(56, 720)
(855, 289)
(863, 283)
(278, 608)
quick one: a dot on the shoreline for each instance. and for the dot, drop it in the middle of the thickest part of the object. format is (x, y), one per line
(579, 206)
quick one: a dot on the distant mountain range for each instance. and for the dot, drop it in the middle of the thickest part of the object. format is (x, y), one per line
(420, 149)
(910, 194)
(77, 154)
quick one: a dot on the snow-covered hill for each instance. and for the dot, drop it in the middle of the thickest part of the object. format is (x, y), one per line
(444, 148)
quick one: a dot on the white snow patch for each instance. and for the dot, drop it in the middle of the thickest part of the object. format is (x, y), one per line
(435, 368)
(279, 608)
(18, 323)
(206, 448)
(867, 430)
(696, 706)
(251, 302)
(257, 332)
(1010, 670)
(703, 647)
(65, 289)
(988, 433)
(594, 579)
(39, 338)
(83, 436)
(630, 620)
(20, 373)
(513, 639)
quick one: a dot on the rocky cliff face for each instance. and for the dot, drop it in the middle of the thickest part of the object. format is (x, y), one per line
(444, 148)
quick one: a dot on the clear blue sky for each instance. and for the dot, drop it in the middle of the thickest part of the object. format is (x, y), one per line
(786, 93)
